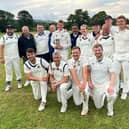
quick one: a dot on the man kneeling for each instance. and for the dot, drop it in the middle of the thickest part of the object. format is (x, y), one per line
(101, 80)
(59, 77)
(36, 70)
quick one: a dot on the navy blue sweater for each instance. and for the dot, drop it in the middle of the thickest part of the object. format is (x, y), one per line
(24, 43)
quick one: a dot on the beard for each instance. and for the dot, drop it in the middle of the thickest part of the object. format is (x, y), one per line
(9, 33)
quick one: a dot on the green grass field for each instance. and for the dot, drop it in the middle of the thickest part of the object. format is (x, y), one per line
(18, 110)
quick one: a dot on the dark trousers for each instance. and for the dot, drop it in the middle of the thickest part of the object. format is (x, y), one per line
(45, 56)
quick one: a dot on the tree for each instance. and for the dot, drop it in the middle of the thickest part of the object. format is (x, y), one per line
(80, 17)
(25, 18)
(99, 18)
(5, 19)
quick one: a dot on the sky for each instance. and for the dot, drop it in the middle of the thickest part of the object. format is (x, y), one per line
(60, 9)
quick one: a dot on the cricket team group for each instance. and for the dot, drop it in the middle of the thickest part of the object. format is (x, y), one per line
(80, 64)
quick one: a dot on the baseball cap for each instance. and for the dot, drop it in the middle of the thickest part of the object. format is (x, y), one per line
(108, 17)
(9, 27)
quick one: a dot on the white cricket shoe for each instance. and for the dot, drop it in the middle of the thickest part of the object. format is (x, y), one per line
(110, 114)
(63, 108)
(42, 106)
(84, 108)
(8, 88)
(123, 96)
(19, 85)
(27, 83)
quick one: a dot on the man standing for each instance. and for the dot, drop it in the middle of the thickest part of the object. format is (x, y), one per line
(25, 41)
(78, 71)
(108, 22)
(121, 55)
(36, 70)
(52, 29)
(41, 39)
(74, 35)
(60, 81)
(85, 42)
(61, 41)
(101, 80)
(107, 41)
(95, 31)
(10, 57)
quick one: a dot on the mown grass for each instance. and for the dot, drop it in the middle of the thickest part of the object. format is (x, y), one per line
(18, 110)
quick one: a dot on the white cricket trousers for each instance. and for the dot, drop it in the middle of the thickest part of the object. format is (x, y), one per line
(125, 67)
(64, 93)
(99, 93)
(39, 89)
(81, 97)
(11, 63)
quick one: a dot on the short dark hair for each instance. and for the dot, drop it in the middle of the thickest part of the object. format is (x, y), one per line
(76, 47)
(39, 24)
(98, 45)
(30, 50)
(75, 24)
(121, 17)
(61, 21)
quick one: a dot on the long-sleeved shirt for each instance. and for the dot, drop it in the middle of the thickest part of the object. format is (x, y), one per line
(24, 43)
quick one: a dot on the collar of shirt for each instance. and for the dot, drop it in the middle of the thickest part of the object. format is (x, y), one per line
(33, 65)
(60, 31)
(100, 61)
(57, 68)
(76, 62)
(29, 36)
(40, 33)
(122, 30)
(105, 37)
(95, 33)
(84, 37)
(9, 36)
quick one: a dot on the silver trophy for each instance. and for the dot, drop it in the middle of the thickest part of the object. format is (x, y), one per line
(57, 42)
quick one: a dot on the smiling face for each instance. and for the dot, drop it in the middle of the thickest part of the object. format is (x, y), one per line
(56, 58)
(98, 51)
(60, 25)
(25, 30)
(121, 23)
(96, 28)
(76, 53)
(40, 28)
(52, 28)
(31, 56)
(75, 29)
(84, 29)
(10, 31)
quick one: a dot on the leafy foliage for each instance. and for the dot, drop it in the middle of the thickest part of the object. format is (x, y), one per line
(25, 18)
(5, 19)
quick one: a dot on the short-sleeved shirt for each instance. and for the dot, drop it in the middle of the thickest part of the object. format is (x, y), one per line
(78, 66)
(59, 72)
(39, 69)
(10, 45)
(108, 45)
(100, 71)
